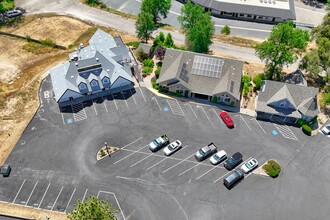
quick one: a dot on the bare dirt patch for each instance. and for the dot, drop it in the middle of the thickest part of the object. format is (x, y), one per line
(62, 30)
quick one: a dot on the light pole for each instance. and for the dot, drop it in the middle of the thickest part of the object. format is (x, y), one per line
(106, 147)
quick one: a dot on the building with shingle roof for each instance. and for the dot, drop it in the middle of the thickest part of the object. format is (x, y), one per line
(102, 68)
(269, 11)
(286, 102)
(202, 76)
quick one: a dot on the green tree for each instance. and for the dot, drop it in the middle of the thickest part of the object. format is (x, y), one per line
(93, 209)
(161, 37)
(283, 46)
(157, 8)
(144, 26)
(225, 30)
(317, 60)
(197, 26)
(168, 40)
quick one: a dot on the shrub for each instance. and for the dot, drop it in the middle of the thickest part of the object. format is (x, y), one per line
(326, 98)
(214, 99)
(301, 122)
(225, 30)
(272, 168)
(169, 41)
(314, 120)
(147, 70)
(307, 130)
(178, 94)
(148, 63)
(232, 104)
(102, 153)
(258, 80)
(48, 42)
(153, 79)
(103, 6)
(141, 55)
(246, 85)
(186, 93)
(157, 72)
(161, 37)
(134, 44)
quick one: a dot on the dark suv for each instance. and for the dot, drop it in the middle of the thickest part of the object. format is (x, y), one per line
(233, 161)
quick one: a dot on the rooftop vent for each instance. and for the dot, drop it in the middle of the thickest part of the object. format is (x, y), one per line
(97, 59)
(71, 77)
(76, 64)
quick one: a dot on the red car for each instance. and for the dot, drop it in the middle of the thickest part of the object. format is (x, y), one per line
(227, 119)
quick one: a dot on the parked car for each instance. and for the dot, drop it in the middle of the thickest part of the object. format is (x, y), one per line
(233, 178)
(205, 152)
(326, 129)
(13, 13)
(233, 161)
(218, 157)
(249, 165)
(172, 147)
(5, 170)
(159, 143)
(227, 119)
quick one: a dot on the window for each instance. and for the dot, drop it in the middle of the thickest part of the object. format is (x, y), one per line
(82, 86)
(249, 16)
(94, 83)
(282, 104)
(227, 99)
(242, 15)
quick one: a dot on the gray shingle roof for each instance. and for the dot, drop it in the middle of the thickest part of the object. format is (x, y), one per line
(103, 57)
(257, 9)
(302, 99)
(177, 61)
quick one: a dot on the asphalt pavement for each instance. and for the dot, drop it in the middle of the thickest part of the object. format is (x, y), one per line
(54, 162)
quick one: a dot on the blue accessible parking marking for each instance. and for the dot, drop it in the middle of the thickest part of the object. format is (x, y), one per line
(274, 132)
(69, 120)
(166, 109)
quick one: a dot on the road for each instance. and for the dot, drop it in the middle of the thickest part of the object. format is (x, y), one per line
(76, 9)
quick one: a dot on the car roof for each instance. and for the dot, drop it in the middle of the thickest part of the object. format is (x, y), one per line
(237, 155)
(221, 153)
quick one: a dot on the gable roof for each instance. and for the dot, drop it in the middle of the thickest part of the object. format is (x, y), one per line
(105, 56)
(187, 67)
(303, 99)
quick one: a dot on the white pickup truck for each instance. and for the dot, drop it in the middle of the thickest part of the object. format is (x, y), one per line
(159, 143)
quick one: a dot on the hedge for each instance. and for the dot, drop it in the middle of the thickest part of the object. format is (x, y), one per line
(307, 130)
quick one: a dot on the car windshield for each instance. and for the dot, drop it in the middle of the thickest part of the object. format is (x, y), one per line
(216, 157)
(231, 160)
(201, 152)
(157, 141)
(248, 165)
(171, 147)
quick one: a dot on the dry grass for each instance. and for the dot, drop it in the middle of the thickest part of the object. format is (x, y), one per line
(236, 40)
(30, 213)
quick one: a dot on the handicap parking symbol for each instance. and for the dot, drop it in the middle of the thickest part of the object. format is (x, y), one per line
(69, 120)
(166, 109)
(274, 132)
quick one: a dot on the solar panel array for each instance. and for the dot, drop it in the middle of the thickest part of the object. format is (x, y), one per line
(206, 66)
(184, 73)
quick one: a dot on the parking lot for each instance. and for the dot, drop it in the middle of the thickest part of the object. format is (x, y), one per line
(54, 162)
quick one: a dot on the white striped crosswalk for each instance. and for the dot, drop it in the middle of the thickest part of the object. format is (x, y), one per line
(175, 107)
(78, 111)
(285, 131)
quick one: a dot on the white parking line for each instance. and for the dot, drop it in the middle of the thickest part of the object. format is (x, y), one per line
(113, 98)
(42, 199)
(141, 160)
(31, 193)
(142, 94)
(124, 99)
(245, 122)
(84, 195)
(63, 119)
(156, 163)
(57, 198)
(121, 211)
(105, 106)
(175, 107)
(19, 190)
(206, 172)
(198, 106)
(217, 115)
(129, 155)
(191, 109)
(69, 200)
(94, 107)
(230, 171)
(131, 143)
(254, 119)
(285, 131)
(178, 163)
(133, 96)
(154, 98)
(188, 170)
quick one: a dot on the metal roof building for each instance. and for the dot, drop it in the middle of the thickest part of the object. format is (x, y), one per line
(99, 69)
(271, 11)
